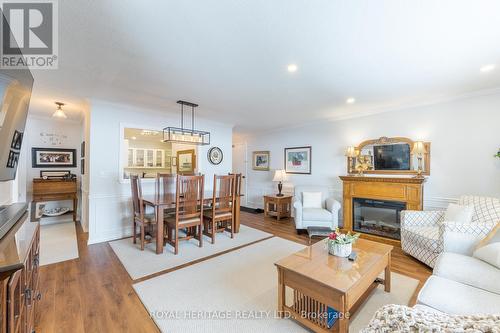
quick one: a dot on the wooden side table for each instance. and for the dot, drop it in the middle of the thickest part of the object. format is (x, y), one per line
(55, 190)
(277, 206)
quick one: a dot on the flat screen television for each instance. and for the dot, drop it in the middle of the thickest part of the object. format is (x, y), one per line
(392, 157)
(15, 93)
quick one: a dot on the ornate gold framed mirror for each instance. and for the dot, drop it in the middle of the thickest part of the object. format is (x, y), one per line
(397, 155)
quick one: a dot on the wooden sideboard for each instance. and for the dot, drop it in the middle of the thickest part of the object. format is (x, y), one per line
(55, 190)
(403, 189)
(19, 287)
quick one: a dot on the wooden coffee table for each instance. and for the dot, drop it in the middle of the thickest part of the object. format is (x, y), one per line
(322, 282)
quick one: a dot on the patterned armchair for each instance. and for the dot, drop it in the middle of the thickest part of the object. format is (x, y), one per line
(425, 234)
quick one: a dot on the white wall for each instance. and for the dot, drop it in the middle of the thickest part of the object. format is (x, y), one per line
(7, 190)
(48, 132)
(109, 199)
(464, 136)
(38, 131)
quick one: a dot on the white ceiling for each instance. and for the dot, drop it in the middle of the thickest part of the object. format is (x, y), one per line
(230, 56)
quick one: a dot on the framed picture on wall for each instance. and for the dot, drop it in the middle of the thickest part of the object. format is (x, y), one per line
(13, 159)
(53, 157)
(186, 161)
(298, 160)
(17, 140)
(82, 150)
(260, 160)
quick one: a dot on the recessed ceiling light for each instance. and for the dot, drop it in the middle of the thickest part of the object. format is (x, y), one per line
(350, 100)
(487, 68)
(292, 68)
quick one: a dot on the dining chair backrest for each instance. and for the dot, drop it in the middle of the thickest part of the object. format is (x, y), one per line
(223, 194)
(138, 206)
(237, 183)
(189, 197)
(165, 184)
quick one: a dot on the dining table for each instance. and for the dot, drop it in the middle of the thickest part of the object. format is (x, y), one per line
(167, 201)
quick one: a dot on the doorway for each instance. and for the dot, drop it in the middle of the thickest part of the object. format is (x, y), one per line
(240, 165)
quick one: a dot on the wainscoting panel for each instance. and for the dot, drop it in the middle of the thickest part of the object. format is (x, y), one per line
(116, 211)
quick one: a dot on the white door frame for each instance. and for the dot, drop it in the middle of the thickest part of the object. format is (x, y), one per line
(244, 199)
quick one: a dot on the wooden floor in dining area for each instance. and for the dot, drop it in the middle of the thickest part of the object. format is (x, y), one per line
(94, 293)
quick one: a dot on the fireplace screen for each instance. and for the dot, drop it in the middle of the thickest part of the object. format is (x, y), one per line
(378, 217)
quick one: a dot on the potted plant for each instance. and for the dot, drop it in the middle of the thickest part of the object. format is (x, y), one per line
(340, 244)
(497, 154)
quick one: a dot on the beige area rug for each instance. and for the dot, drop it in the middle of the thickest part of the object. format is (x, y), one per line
(58, 243)
(143, 263)
(242, 286)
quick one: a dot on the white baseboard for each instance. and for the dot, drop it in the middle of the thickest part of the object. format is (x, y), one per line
(111, 235)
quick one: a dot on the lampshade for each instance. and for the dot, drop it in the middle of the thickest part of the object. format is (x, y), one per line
(279, 176)
(351, 152)
(59, 113)
(418, 148)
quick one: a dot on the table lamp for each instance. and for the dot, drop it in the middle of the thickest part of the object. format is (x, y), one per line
(419, 150)
(279, 176)
(351, 153)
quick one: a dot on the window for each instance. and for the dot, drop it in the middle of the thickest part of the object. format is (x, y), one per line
(146, 153)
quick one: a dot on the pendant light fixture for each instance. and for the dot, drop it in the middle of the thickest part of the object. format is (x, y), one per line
(185, 135)
(59, 113)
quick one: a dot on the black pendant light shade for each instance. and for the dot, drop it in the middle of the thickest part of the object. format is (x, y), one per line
(185, 135)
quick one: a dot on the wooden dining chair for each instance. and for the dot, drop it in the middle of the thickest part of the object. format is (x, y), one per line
(188, 211)
(146, 222)
(165, 186)
(220, 216)
(238, 178)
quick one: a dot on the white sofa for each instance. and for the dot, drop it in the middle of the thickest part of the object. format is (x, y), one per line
(425, 235)
(462, 292)
(461, 285)
(327, 216)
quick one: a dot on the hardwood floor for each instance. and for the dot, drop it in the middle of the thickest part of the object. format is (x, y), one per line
(94, 292)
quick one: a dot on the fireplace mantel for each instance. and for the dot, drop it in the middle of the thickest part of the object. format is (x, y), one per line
(403, 189)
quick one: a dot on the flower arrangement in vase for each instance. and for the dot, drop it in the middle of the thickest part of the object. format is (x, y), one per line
(340, 244)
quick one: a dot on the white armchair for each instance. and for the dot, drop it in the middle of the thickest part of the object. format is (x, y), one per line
(425, 234)
(327, 216)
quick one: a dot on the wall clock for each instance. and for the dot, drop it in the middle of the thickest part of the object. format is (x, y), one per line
(215, 155)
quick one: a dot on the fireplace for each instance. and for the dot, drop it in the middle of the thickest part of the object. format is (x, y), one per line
(377, 217)
(408, 192)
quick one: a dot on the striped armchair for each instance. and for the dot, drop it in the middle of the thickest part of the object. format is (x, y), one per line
(425, 234)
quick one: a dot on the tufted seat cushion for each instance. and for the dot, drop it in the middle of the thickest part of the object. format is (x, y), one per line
(208, 213)
(148, 218)
(424, 237)
(453, 297)
(469, 271)
(316, 214)
(171, 220)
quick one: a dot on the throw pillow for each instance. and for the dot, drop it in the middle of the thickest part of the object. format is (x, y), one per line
(312, 200)
(489, 253)
(492, 237)
(459, 214)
